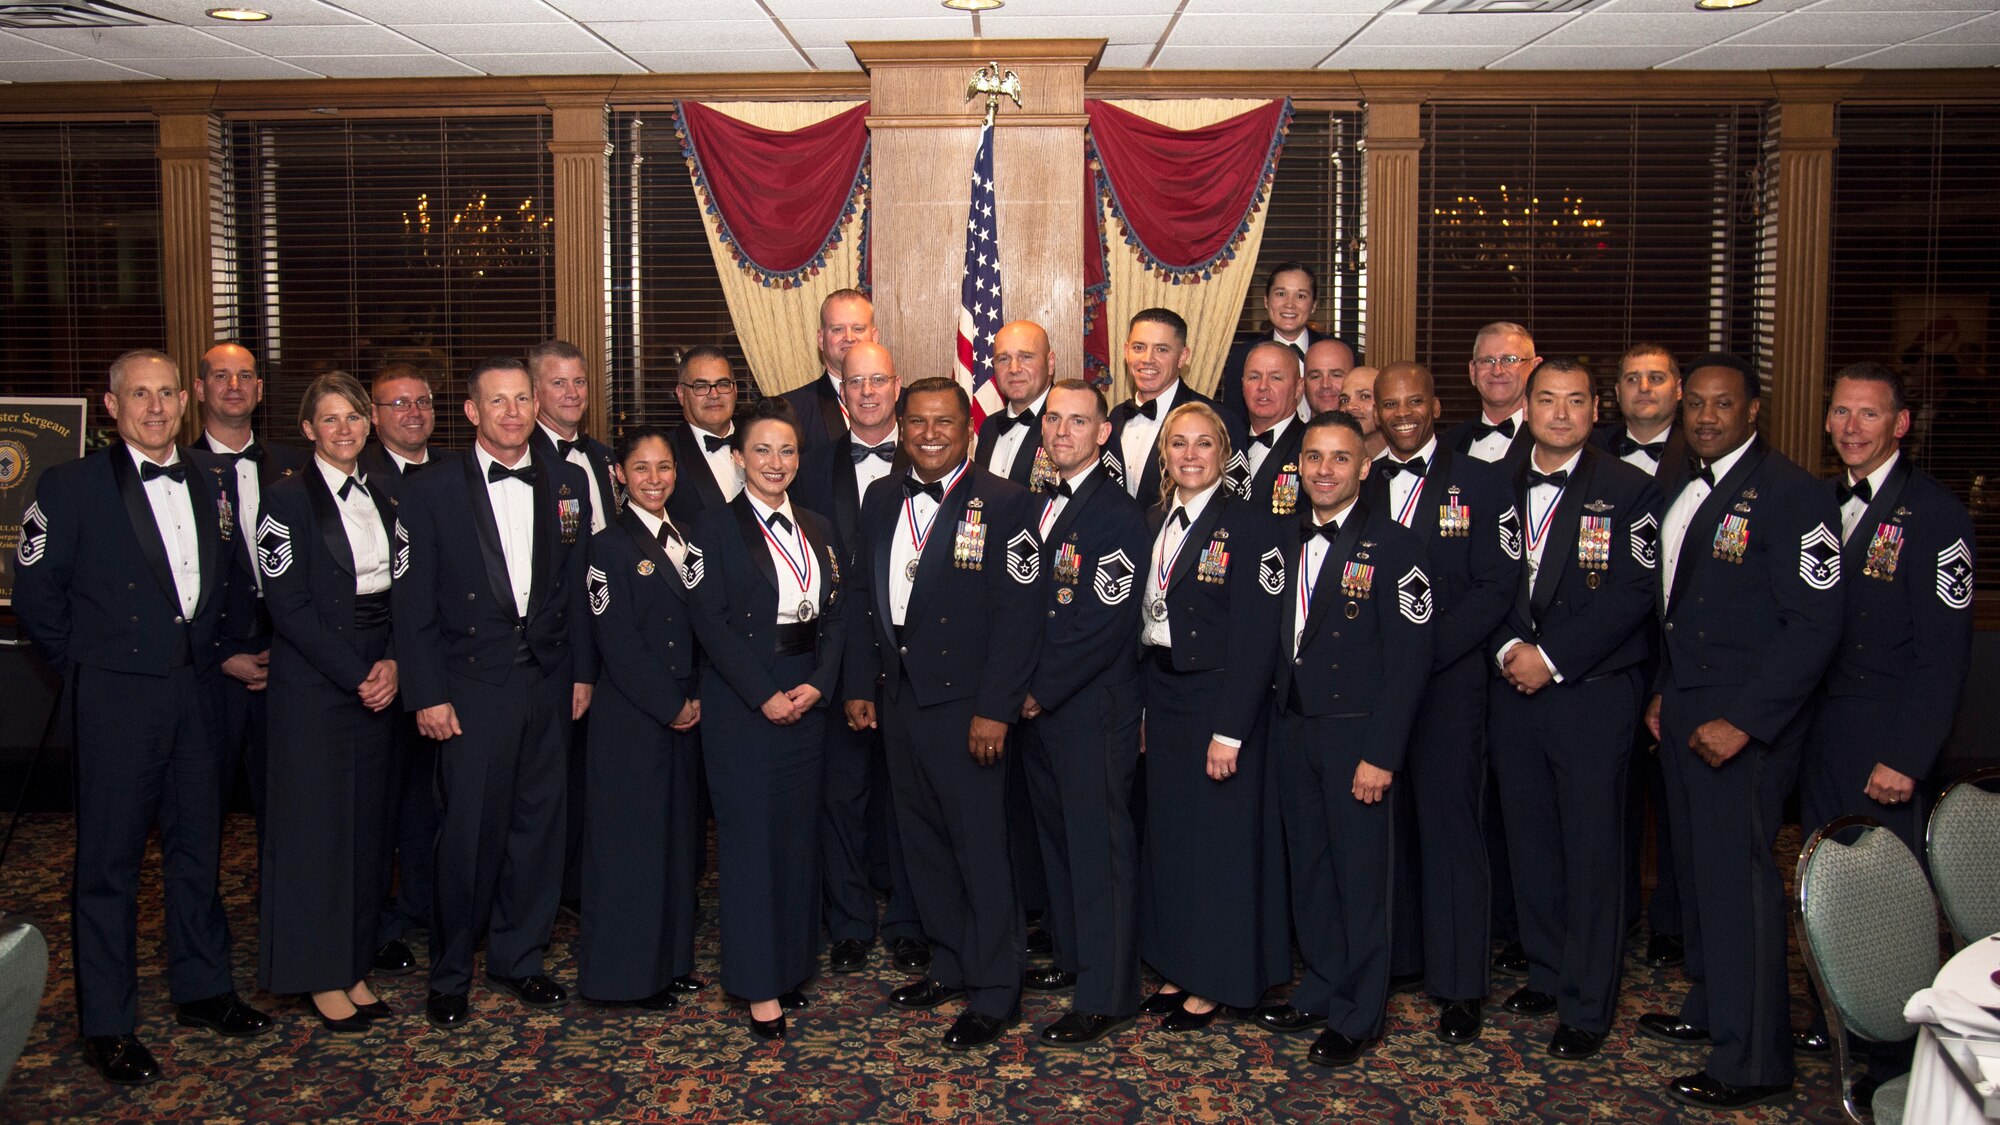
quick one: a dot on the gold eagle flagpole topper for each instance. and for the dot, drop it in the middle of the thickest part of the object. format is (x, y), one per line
(989, 80)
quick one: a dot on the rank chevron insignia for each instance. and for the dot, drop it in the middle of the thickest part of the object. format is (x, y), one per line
(34, 536)
(1413, 596)
(1024, 558)
(1271, 572)
(1113, 578)
(1954, 575)
(1509, 524)
(1646, 541)
(400, 565)
(598, 585)
(692, 567)
(1819, 558)
(274, 547)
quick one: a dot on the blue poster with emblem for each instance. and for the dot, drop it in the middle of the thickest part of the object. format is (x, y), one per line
(34, 434)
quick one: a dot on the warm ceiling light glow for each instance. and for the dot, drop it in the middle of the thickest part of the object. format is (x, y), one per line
(973, 5)
(1722, 5)
(240, 15)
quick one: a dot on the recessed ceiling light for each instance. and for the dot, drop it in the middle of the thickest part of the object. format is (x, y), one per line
(1722, 5)
(973, 5)
(240, 15)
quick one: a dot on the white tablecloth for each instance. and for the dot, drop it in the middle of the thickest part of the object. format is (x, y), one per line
(1955, 1076)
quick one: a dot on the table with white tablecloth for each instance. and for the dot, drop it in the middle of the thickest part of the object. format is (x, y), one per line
(1955, 1075)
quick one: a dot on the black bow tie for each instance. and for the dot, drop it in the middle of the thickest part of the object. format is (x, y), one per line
(1267, 439)
(1064, 490)
(1325, 531)
(668, 534)
(252, 452)
(1702, 473)
(916, 488)
(1390, 467)
(1482, 429)
(526, 474)
(1180, 517)
(1628, 445)
(1842, 493)
(710, 443)
(1151, 409)
(178, 471)
(565, 447)
(886, 451)
(1008, 421)
(1558, 478)
(353, 484)
(778, 520)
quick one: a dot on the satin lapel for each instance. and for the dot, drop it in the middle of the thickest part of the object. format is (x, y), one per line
(1289, 541)
(139, 510)
(1198, 534)
(1562, 534)
(650, 549)
(822, 560)
(1879, 510)
(749, 527)
(207, 535)
(829, 408)
(488, 527)
(883, 540)
(547, 534)
(1023, 469)
(1672, 470)
(1326, 588)
(1709, 514)
(1074, 509)
(1524, 593)
(846, 491)
(605, 487)
(326, 513)
(687, 452)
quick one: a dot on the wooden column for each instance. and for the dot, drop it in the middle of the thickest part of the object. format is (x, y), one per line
(1793, 418)
(925, 134)
(1391, 143)
(581, 146)
(186, 152)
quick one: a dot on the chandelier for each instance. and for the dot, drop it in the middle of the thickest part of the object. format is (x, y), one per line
(1508, 232)
(479, 237)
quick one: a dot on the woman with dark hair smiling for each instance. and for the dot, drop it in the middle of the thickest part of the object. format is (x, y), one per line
(768, 612)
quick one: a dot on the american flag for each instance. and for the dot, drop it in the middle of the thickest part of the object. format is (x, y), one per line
(979, 293)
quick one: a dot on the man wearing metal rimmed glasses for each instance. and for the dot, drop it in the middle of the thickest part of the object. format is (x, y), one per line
(707, 393)
(405, 416)
(1502, 355)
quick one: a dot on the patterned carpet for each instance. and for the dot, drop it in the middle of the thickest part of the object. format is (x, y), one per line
(850, 1057)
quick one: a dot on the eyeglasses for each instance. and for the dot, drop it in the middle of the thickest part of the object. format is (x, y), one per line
(868, 382)
(1489, 362)
(713, 387)
(424, 403)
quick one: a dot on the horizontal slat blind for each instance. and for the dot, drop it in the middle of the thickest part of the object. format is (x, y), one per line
(1314, 216)
(1593, 226)
(349, 243)
(80, 243)
(1915, 267)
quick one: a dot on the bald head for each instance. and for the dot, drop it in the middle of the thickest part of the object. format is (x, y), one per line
(1401, 375)
(1327, 364)
(868, 388)
(1406, 407)
(1022, 363)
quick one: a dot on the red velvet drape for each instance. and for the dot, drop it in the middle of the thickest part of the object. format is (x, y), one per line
(781, 196)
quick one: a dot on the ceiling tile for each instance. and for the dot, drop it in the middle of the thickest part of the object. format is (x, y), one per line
(1866, 29)
(360, 40)
(1117, 29)
(1287, 7)
(116, 43)
(833, 58)
(1540, 56)
(383, 66)
(591, 11)
(1736, 56)
(1509, 30)
(1238, 31)
(1986, 29)
(1903, 5)
(67, 70)
(720, 62)
(1125, 56)
(863, 9)
(1369, 56)
(1161, 8)
(24, 50)
(1612, 29)
(194, 13)
(1764, 9)
(503, 38)
(836, 33)
(714, 35)
(554, 62)
(247, 67)
(1930, 54)
(1238, 58)
(452, 11)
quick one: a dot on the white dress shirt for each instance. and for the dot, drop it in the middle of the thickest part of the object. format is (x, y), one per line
(1642, 459)
(721, 465)
(362, 521)
(1142, 434)
(172, 502)
(1255, 451)
(1008, 445)
(676, 545)
(577, 457)
(1674, 528)
(514, 517)
(1166, 548)
(1493, 447)
(1052, 507)
(1311, 559)
(403, 463)
(249, 493)
(1542, 501)
(1851, 512)
(1406, 490)
(870, 469)
(916, 522)
(792, 558)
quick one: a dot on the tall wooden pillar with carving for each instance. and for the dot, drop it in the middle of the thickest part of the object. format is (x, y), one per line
(186, 153)
(924, 133)
(580, 146)
(1793, 418)
(1393, 140)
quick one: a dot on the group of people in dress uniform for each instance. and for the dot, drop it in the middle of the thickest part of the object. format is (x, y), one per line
(1181, 684)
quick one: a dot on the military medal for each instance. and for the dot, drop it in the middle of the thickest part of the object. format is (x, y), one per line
(1593, 543)
(1357, 580)
(801, 570)
(1065, 595)
(1156, 608)
(1732, 539)
(804, 612)
(910, 570)
(920, 537)
(1884, 551)
(1069, 565)
(1043, 475)
(1285, 491)
(645, 567)
(968, 548)
(225, 516)
(570, 514)
(1213, 566)
(1454, 518)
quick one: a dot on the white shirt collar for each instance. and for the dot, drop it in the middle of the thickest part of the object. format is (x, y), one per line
(1568, 466)
(140, 460)
(1089, 467)
(1035, 406)
(1519, 417)
(1195, 507)
(1880, 474)
(1720, 467)
(556, 437)
(1166, 400)
(894, 432)
(1345, 508)
(334, 477)
(1426, 453)
(216, 443)
(1298, 341)
(486, 460)
(1277, 428)
(764, 512)
(401, 462)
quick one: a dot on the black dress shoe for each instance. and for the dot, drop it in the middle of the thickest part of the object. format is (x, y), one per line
(394, 958)
(1334, 1049)
(1406, 982)
(665, 1000)
(1665, 951)
(445, 1009)
(974, 1029)
(1287, 1020)
(925, 993)
(1704, 1091)
(1163, 1003)
(1811, 1042)
(376, 1010)
(1180, 1019)
(1458, 1021)
(794, 1000)
(356, 1023)
(1671, 1028)
(1040, 944)
(1528, 1002)
(768, 1029)
(224, 1015)
(536, 990)
(1075, 1029)
(121, 1059)
(688, 985)
(1573, 1043)
(1512, 960)
(1047, 980)
(848, 955)
(912, 955)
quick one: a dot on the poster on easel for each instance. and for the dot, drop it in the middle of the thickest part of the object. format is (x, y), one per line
(35, 433)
